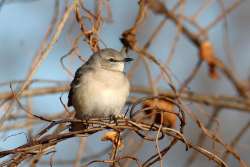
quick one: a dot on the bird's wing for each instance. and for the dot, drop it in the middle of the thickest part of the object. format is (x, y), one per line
(76, 81)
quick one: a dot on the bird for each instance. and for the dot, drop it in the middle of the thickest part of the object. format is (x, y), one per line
(100, 86)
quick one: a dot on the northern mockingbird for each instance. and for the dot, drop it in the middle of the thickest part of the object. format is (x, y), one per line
(100, 87)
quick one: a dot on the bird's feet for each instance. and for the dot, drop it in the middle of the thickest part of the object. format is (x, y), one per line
(115, 118)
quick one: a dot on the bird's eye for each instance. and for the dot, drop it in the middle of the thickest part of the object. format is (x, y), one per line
(111, 60)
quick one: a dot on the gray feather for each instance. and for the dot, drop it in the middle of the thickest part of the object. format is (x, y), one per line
(76, 81)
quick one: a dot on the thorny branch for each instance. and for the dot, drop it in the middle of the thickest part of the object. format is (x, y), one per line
(17, 105)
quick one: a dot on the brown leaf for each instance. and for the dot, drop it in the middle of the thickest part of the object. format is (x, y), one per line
(207, 54)
(162, 111)
(113, 136)
(129, 38)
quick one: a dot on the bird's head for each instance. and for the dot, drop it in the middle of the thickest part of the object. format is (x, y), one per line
(110, 59)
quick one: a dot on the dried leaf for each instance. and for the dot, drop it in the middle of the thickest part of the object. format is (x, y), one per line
(162, 110)
(113, 136)
(129, 38)
(207, 54)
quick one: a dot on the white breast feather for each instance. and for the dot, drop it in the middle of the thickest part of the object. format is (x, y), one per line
(102, 98)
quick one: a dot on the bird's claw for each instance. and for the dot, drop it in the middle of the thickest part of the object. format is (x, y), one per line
(115, 118)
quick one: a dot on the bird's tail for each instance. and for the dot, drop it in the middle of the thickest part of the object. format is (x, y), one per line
(76, 126)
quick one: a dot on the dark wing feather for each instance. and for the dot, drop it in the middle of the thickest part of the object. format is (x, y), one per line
(73, 84)
(76, 81)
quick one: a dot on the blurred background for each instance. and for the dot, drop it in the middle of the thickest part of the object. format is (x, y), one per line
(23, 26)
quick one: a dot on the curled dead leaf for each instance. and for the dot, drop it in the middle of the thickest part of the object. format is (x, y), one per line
(207, 51)
(113, 136)
(128, 38)
(160, 110)
(207, 54)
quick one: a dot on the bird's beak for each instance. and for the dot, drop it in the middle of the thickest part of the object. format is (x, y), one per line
(127, 59)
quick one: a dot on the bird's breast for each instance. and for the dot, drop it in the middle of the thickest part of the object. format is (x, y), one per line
(103, 93)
